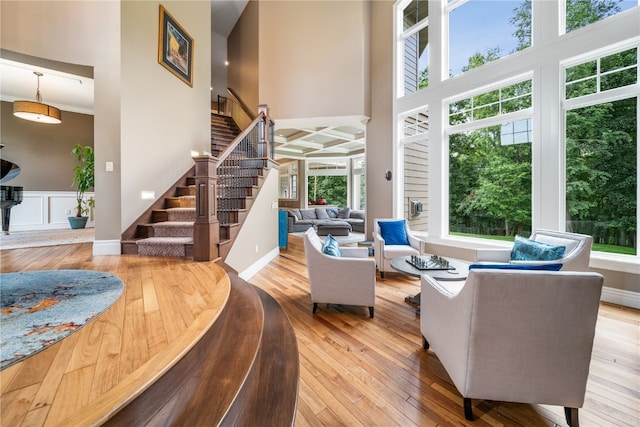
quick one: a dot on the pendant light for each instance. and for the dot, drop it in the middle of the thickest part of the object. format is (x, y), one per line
(37, 111)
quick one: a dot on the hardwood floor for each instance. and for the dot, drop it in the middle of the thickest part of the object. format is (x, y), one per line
(361, 371)
(354, 370)
(168, 303)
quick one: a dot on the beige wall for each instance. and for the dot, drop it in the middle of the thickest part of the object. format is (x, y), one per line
(380, 153)
(163, 118)
(43, 152)
(146, 120)
(242, 45)
(85, 33)
(258, 236)
(313, 60)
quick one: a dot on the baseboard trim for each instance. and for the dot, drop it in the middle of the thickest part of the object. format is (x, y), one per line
(248, 273)
(106, 247)
(621, 297)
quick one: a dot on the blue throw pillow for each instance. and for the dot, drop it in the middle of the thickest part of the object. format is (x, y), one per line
(393, 232)
(530, 250)
(546, 267)
(331, 247)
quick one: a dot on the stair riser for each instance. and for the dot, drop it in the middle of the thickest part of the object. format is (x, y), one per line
(186, 191)
(181, 202)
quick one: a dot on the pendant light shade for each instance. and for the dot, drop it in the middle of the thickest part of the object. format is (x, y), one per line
(37, 111)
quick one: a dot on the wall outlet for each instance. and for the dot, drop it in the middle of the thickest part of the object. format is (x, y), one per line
(67, 211)
(256, 248)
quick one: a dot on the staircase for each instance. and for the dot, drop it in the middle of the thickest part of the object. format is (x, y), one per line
(223, 131)
(167, 227)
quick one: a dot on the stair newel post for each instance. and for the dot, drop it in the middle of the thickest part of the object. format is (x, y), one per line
(263, 132)
(206, 230)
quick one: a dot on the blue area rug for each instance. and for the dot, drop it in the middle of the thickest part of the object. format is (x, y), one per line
(39, 308)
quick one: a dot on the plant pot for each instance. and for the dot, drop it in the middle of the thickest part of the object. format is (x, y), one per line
(77, 222)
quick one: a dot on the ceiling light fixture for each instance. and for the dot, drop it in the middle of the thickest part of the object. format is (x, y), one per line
(37, 111)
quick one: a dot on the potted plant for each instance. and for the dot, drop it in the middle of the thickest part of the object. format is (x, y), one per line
(83, 180)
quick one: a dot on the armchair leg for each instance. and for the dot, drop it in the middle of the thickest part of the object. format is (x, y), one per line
(315, 307)
(571, 414)
(371, 312)
(425, 343)
(468, 410)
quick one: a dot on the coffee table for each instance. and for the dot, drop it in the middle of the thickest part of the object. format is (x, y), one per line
(401, 265)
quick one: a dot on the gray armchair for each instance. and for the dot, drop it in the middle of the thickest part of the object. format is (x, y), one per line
(384, 252)
(349, 279)
(514, 335)
(576, 255)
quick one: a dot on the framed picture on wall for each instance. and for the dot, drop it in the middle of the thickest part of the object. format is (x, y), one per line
(175, 48)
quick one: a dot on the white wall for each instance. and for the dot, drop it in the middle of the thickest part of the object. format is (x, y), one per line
(46, 210)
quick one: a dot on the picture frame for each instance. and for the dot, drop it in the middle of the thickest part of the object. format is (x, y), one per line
(175, 47)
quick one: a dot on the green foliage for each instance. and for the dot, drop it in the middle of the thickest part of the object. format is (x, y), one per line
(479, 59)
(579, 14)
(331, 188)
(84, 177)
(490, 185)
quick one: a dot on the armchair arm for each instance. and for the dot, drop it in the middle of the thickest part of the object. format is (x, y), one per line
(352, 252)
(378, 249)
(416, 243)
(493, 255)
(445, 322)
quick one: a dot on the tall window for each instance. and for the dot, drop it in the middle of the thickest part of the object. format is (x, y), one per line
(359, 183)
(288, 184)
(602, 150)
(489, 183)
(481, 32)
(414, 45)
(490, 164)
(327, 180)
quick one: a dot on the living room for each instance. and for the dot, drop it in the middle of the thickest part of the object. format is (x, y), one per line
(119, 198)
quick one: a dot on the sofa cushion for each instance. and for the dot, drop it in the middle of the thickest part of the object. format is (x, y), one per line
(331, 247)
(393, 232)
(343, 213)
(308, 213)
(546, 267)
(295, 213)
(357, 214)
(530, 250)
(321, 213)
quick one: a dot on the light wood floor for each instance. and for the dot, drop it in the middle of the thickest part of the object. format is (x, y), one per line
(167, 304)
(354, 370)
(361, 371)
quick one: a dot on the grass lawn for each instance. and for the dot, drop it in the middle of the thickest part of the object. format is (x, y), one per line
(597, 247)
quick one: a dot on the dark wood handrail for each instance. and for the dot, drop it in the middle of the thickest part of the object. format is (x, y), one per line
(245, 108)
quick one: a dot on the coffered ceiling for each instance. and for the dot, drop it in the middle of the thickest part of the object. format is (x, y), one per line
(321, 141)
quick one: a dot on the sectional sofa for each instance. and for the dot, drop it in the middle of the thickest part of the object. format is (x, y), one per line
(302, 219)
